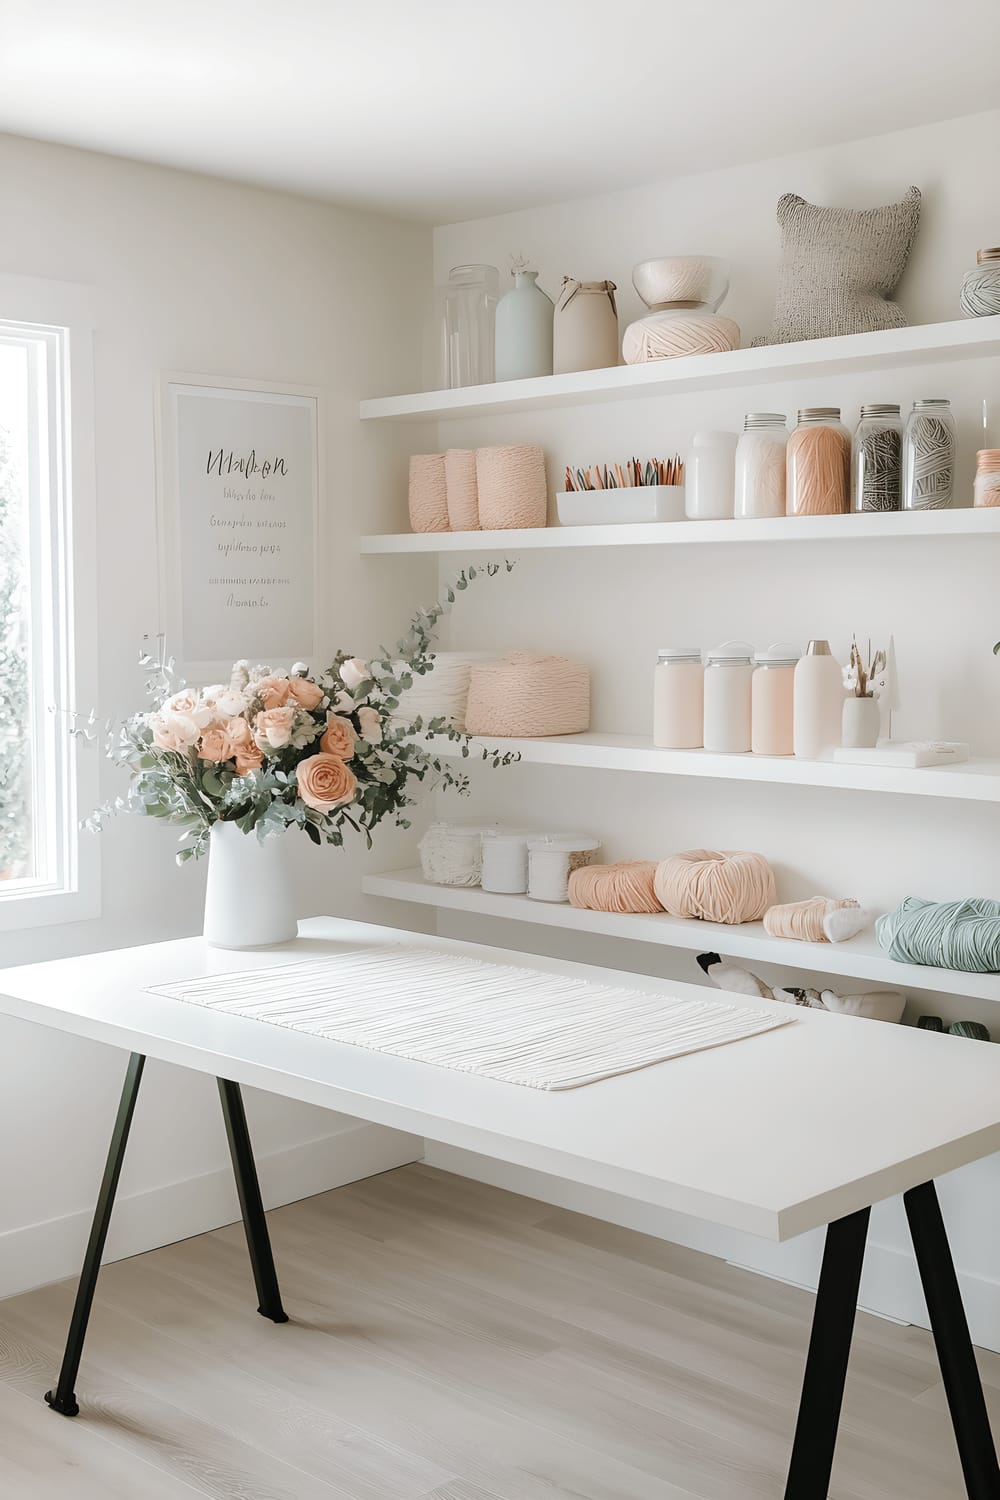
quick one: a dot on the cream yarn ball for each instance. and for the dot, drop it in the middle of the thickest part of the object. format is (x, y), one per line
(717, 885)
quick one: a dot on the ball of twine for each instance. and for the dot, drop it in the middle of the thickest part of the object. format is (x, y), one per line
(717, 885)
(463, 491)
(803, 920)
(522, 696)
(512, 487)
(981, 292)
(667, 336)
(623, 887)
(962, 935)
(428, 494)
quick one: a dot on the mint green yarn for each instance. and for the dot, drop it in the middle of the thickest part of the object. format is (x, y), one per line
(962, 935)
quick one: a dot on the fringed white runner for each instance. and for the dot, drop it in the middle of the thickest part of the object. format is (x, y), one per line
(519, 1025)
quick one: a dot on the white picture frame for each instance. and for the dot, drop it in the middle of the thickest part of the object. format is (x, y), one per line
(238, 470)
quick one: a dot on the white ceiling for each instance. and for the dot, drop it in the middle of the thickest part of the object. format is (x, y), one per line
(448, 109)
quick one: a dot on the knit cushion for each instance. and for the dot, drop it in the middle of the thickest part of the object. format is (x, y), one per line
(839, 266)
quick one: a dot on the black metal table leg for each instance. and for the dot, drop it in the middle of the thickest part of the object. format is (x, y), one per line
(251, 1204)
(826, 1363)
(63, 1398)
(956, 1355)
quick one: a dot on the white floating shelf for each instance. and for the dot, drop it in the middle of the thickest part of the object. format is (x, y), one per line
(899, 525)
(891, 349)
(972, 781)
(861, 958)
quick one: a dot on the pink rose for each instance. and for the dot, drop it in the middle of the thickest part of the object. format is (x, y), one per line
(371, 725)
(245, 748)
(173, 731)
(216, 745)
(353, 673)
(248, 760)
(272, 691)
(325, 782)
(307, 694)
(338, 738)
(190, 705)
(272, 729)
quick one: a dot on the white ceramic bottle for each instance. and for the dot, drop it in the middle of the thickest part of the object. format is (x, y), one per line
(711, 476)
(818, 705)
(728, 678)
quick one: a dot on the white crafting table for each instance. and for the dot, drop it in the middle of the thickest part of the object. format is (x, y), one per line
(794, 1129)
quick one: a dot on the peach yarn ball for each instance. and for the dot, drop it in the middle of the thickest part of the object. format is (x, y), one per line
(428, 496)
(803, 920)
(463, 490)
(623, 887)
(513, 491)
(522, 696)
(716, 885)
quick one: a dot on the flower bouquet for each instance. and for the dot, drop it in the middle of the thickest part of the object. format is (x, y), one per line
(269, 751)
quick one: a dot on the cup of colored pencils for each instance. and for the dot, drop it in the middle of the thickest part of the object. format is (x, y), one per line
(633, 474)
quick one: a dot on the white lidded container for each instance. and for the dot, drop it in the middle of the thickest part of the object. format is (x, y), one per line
(678, 698)
(772, 696)
(819, 703)
(710, 476)
(552, 858)
(760, 466)
(728, 680)
(505, 862)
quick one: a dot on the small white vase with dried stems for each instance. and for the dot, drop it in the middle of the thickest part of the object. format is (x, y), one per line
(862, 720)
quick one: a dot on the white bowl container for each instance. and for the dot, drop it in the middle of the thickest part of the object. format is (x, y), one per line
(640, 502)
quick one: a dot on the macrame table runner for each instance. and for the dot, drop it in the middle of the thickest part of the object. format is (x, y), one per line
(545, 1031)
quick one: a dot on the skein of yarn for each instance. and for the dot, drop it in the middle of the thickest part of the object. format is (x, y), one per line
(452, 853)
(962, 935)
(526, 696)
(820, 919)
(428, 492)
(623, 887)
(929, 456)
(513, 491)
(730, 886)
(463, 491)
(818, 465)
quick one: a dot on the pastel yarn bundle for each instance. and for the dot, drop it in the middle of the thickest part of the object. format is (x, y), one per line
(716, 885)
(820, 919)
(513, 491)
(962, 935)
(623, 887)
(462, 489)
(443, 692)
(526, 696)
(428, 493)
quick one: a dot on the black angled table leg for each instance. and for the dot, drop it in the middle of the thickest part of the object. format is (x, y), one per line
(251, 1204)
(63, 1398)
(826, 1363)
(956, 1355)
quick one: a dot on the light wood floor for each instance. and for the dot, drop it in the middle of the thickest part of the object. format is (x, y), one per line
(452, 1342)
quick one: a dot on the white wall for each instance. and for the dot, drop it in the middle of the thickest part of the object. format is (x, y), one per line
(189, 273)
(613, 609)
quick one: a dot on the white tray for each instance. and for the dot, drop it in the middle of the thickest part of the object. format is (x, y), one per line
(641, 502)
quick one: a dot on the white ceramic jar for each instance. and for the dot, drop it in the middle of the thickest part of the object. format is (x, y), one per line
(771, 700)
(505, 863)
(710, 477)
(760, 466)
(678, 698)
(728, 679)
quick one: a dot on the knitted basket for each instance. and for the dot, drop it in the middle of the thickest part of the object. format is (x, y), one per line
(521, 696)
(463, 502)
(428, 493)
(512, 487)
(442, 692)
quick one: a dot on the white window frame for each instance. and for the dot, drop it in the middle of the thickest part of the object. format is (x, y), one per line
(56, 321)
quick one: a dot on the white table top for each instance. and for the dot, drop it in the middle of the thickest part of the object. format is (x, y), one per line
(776, 1134)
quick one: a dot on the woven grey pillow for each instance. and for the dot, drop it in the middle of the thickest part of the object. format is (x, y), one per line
(839, 266)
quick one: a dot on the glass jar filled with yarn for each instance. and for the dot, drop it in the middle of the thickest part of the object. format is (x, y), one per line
(468, 326)
(877, 459)
(678, 698)
(771, 700)
(728, 677)
(986, 489)
(980, 296)
(760, 466)
(818, 465)
(929, 455)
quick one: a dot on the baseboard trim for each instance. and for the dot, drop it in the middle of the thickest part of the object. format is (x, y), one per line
(36, 1254)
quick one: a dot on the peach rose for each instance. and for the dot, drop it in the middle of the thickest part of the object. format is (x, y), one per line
(371, 725)
(338, 738)
(216, 745)
(272, 691)
(272, 729)
(353, 673)
(190, 705)
(325, 782)
(307, 694)
(173, 731)
(248, 760)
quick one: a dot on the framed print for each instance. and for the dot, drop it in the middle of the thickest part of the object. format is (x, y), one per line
(238, 488)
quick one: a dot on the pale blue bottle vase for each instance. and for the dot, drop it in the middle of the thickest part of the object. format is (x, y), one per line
(524, 330)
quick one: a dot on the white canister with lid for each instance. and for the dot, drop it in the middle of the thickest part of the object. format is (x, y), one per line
(760, 466)
(505, 862)
(552, 858)
(728, 678)
(678, 698)
(772, 697)
(710, 477)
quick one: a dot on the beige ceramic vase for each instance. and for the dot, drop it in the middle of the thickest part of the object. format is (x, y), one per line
(585, 327)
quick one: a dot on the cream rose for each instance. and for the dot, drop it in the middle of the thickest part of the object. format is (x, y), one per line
(272, 729)
(338, 738)
(190, 705)
(272, 691)
(307, 694)
(173, 731)
(325, 782)
(225, 702)
(353, 673)
(371, 725)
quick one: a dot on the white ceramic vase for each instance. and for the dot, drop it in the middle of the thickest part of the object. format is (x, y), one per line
(248, 902)
(862, 723)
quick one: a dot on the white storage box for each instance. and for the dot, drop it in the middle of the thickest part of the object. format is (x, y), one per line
(641, 502)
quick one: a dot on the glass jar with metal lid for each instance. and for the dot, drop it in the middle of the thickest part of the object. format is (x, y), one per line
(929, 455)
(818, 469)
(678, 698)
(877, 459)
(760, 466)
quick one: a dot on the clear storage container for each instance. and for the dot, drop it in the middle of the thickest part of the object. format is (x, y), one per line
(818, 471)
(929, 456)
(760, 466)
(877, 459)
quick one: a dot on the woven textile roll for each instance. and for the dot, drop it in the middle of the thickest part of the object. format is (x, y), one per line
(452, 853)
(623, 887)
(717, 885)
(428, 492)
(512, 487)
(816, 920)
(671, 336)
(521, 696)
(442, 692)
(963, 935)
(463, 494)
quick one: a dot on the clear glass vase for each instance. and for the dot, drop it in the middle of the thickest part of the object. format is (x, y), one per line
(467, 320)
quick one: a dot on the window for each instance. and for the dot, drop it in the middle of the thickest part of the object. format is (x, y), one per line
(42, 876)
